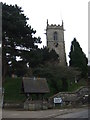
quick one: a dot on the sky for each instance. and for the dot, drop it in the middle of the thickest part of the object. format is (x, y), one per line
(74, 14)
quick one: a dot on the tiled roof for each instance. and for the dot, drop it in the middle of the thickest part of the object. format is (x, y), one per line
(35, 85)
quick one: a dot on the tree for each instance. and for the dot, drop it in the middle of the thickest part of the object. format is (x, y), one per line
(78, 58)
(59, 78)
(41, 56)
(17, 37)
(64, 84)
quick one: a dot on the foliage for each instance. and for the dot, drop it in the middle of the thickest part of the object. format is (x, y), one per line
(41, 56)
(17, 36)
(78, 58)
(54, 75)
(13, 92)
(64, 84)
(89, 71)
(19, 69)
(19, 41)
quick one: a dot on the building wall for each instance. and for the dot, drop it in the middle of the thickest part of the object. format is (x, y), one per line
(59, 44)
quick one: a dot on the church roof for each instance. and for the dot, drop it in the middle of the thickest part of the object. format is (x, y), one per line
(35, 85)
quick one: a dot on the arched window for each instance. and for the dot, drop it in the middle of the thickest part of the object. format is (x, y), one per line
(55, 36)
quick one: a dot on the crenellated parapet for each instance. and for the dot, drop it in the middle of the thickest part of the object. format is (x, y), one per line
(54, 26)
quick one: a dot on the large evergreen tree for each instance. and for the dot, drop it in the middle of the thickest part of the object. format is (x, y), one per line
(78, 58)
(17, 37)
(42, 56)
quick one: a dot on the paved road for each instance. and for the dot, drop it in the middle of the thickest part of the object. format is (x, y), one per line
(56, 113)
(76, 114)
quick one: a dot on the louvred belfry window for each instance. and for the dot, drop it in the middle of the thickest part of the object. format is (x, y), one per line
(55, 35)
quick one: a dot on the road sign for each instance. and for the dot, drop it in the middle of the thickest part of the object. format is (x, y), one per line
(57, 100)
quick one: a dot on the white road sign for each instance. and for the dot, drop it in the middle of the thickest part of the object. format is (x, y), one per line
(57, 100)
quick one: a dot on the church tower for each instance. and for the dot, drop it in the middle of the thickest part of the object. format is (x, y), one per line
(55, 41)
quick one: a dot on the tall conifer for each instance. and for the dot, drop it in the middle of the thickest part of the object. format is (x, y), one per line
(77, 58)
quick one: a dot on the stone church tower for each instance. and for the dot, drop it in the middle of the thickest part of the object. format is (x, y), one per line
(55, 40)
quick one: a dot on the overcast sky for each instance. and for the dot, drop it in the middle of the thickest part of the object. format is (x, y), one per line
(74, 13)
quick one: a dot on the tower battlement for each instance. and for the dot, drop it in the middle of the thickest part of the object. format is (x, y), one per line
(54, 26)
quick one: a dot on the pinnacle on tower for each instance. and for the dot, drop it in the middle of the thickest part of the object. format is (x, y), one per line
(47, 22)
(62, 22)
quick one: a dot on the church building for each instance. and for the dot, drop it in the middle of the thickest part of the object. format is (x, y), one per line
(55, 41)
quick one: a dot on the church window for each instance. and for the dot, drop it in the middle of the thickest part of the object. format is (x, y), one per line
(55, 36)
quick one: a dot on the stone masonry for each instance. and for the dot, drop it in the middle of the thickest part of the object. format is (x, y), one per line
(55, 41)
(79, 96)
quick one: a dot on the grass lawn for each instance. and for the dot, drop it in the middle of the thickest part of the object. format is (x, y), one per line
(13, 91)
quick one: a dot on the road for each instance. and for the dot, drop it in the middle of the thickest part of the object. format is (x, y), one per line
(76, 114)
(55, 113)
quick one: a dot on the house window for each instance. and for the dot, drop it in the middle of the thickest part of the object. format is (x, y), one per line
(55, 36)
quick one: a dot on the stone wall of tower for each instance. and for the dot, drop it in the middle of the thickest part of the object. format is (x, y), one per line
(59, 44)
